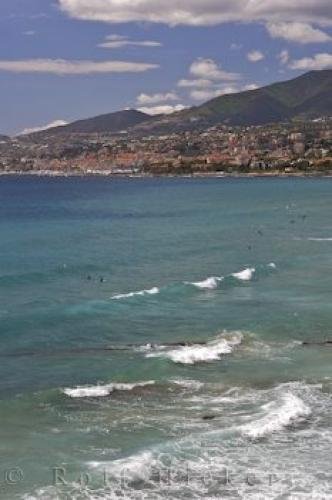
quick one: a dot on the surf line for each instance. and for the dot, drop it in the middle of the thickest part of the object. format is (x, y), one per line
(87, 350)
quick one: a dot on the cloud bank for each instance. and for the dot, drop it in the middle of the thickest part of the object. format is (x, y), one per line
(65, 67)
(298, 32)
(198, 12)
(317, 62)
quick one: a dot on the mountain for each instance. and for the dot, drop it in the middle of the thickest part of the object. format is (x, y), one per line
(307, 96)
(4, 138)
(108, 123)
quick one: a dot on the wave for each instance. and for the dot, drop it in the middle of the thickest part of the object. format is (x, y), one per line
(160, 470)
(207, 284)
(103, 390)
(319, 239)
(152, 291)
(213, 282)
(279, 414)
(245, 275)
(210, 283)
(201, 353)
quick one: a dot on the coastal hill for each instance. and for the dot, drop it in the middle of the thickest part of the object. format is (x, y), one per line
(108, 123)
(307, 96)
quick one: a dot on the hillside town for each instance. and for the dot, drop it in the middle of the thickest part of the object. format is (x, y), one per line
(294, 147)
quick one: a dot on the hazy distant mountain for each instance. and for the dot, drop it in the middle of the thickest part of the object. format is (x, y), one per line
(307, 96)
(4, 138)
(109, 123)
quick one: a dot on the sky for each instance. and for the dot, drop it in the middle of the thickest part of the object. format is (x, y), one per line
(62, 60)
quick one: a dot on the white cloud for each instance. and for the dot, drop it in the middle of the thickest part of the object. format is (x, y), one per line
(319, 61)
(29, 33)
(283, 56)
(251, 86)
(205, 95)
(56, 123)
(298, 32)
(119, 41)
(198, 12)
(65, 67)
(255, 56)
(145, 99)
(207, 80)
(166, 109)
(208, 69)
(200, 83)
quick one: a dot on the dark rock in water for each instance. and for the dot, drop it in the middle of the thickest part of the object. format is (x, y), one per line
(208, 417)
(326, 342)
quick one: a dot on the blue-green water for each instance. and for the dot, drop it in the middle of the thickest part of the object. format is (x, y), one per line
(241, 264)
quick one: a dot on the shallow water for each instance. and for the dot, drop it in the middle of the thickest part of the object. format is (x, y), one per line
(101, 279)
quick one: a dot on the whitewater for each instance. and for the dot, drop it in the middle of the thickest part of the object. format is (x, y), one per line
(165, 338)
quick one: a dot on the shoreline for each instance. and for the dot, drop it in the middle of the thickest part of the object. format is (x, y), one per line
(213, 175)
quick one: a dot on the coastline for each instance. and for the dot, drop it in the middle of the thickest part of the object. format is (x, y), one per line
(198, 175)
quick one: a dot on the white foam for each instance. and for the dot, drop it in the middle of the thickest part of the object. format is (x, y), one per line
(319, 239)
(279, 414)
(152, 291)
(102, 390)
(272, 265)
(245, 275)
(137, 466)
(208, 284)
(196, 353)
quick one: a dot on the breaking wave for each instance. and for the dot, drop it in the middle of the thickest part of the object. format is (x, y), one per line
(200, 353)
(102, 390)
(245, 275)
(207, 284)
(279, 414)
(210, 283)
(319, 239)
(231, 445)
(152, 291)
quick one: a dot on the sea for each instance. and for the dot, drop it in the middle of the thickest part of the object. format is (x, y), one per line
(165, 338)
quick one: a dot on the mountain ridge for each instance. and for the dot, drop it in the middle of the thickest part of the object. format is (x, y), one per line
(114, 122)
(306, 96)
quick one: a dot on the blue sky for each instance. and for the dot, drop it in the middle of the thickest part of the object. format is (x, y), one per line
(62, 60)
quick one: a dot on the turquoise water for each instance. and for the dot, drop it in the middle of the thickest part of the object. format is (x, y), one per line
(98, 277)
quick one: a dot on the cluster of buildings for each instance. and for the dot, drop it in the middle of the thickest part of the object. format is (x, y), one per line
(276, 148)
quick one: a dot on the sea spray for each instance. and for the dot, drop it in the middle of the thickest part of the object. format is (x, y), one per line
(103, 390)
(198, 353)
